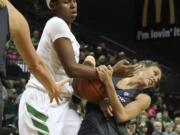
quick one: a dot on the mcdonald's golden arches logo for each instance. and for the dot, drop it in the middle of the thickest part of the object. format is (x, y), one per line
(158, 12)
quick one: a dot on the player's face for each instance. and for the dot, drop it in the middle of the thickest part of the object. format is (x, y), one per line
(67, 10)
(151, 75)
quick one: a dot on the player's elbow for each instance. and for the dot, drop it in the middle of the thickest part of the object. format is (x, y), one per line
(71, 74)
(121, 118)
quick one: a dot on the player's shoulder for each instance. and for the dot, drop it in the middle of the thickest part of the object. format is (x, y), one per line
(55, 21)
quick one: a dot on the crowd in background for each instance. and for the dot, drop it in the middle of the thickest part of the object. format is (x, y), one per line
(158, 119)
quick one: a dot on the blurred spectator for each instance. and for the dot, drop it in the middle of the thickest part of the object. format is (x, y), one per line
(177, 129)
(166, 118)
(4, 93)
(35, 38)
(12, 54)
(101, 60)
(159, 116)
(142, 129)
(177, 120)
(131, 127)
(92, 54)
(121, 55)
(134, 61)
(10, 111)
(157, 128)
(21, 86)
(145, 122)
(14, 71)
(152, 110)
(100, 50)
(11, 46)
(111, 59)
(169, 129)
(9, 85)
(143, 117)
(159, 102)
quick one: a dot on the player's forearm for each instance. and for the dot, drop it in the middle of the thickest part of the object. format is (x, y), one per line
(81, 71)
(35, 64)
(40, 71)
(118, 108)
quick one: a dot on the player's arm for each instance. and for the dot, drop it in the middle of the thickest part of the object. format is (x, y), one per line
(65, 52)
(120, 112)
(131, 110)
(66, 55)
(20, 33)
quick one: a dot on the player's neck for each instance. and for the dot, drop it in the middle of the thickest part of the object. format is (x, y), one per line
(125, 84)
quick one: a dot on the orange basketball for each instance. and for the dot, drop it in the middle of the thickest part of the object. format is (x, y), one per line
(91, 90)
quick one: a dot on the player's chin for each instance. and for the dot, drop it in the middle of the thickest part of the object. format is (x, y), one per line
(144, 84)
(150, 84)
(72, 19)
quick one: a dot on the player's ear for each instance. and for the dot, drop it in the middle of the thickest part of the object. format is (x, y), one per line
(52, 5)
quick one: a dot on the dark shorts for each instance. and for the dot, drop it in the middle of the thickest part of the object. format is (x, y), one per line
(96, 124)
(1, 104)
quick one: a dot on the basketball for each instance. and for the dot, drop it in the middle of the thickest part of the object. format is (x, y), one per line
(91, 90)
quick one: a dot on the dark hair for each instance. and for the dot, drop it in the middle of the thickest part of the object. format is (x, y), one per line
(53, 3)
(40, 5)
(42, 14)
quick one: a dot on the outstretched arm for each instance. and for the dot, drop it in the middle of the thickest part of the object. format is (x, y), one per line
(122, 113)
(65, 52)
(124, 68)
(20, 33)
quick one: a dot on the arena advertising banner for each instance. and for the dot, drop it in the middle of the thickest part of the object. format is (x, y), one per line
(157, 19)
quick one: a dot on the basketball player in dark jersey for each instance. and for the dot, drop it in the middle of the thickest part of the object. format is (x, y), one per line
(124, 98)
